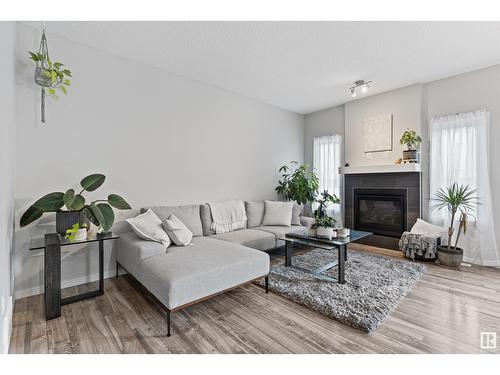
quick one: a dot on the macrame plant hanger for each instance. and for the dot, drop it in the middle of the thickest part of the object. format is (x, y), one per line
(42, 67)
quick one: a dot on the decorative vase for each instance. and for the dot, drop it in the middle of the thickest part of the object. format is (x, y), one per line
(450, 257)
(343, 232)
(81, 234)
(411, 156)
(66, 219)
(325, 232)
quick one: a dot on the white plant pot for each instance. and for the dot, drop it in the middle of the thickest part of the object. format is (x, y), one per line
(325, 232)
(81, 234)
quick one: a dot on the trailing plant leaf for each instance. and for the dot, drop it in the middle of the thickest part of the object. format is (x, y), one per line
(63, 89)
(118, 202)
(31, 214)
(51, 202)
(92, 182)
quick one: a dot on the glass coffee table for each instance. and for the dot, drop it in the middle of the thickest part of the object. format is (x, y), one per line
(339, 243)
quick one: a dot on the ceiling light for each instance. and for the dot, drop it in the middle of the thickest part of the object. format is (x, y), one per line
(359, 85)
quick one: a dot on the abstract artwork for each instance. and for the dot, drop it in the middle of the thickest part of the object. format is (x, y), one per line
(378, 133)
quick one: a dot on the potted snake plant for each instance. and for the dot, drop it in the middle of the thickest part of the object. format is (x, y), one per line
(70, 207)
(459, 200)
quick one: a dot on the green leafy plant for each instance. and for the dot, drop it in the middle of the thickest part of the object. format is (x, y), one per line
(99, 212)
(325, 200)
(55, 75)
(459, 199)
(298, 183)
(325, 222)
(411, 139)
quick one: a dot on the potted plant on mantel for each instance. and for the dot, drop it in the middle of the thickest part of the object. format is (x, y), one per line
(457, 199)
(412, 141)
(98, 212)
(298, 183)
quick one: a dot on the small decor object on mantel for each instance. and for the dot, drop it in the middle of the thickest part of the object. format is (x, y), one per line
(49, 75)
(412, 141)
(457, 199)
(98, 212)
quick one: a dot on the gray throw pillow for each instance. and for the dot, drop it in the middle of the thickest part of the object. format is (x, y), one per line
(296, 211)
(177, 231)
(255, 213)
(278, 213)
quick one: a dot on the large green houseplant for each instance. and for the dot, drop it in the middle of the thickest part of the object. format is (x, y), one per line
(458, 200)
(98, 212)
(298, 183)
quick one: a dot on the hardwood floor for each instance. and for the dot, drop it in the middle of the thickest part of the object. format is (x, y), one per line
(444, 313)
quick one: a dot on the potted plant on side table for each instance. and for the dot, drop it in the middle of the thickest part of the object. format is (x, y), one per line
(458, 200)
(98, 212)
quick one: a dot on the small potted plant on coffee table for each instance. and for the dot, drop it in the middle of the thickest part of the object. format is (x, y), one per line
(325, 226)
(458, 200)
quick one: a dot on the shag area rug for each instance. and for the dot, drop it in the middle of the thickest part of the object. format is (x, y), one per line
(374, 286)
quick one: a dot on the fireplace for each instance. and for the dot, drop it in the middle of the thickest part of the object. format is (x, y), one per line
(380, 211)
(386, 204)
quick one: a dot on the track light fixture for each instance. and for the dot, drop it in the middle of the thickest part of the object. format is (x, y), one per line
(359, 85)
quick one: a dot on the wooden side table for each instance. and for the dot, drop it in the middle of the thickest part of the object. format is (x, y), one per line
(51, 244)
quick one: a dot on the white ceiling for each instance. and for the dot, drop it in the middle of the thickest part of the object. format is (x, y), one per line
(299, 66)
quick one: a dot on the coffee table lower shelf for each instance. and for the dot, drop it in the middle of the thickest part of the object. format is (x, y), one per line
(318, 271)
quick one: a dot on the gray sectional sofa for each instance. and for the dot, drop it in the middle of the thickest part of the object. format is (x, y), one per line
(180, 276)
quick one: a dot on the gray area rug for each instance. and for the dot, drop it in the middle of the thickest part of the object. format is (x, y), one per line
(374, 286)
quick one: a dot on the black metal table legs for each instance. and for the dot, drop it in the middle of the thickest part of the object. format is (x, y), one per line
(52, 278)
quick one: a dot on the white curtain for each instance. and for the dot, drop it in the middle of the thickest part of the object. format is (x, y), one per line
(460, 152)
(327, 158)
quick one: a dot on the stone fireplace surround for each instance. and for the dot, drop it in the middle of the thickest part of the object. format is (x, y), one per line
(408, 182)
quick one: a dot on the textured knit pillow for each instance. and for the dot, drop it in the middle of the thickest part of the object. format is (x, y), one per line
(429, 230)
(278, 213)
(148, 226)
(296, 211)
(178, 232)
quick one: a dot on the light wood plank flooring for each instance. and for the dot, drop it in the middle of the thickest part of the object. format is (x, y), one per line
(444, 313)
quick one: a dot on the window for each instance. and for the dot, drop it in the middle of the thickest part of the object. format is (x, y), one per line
(327, 158)
(460, 153)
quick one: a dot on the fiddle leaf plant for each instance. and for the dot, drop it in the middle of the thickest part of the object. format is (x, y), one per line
(99, 212)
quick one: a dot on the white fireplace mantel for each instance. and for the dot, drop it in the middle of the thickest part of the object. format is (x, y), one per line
(389, 168)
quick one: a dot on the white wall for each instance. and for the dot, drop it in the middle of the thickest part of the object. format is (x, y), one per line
(406, 107)
(159, 138)
(327, 122)
(7, 175)
(469, 92)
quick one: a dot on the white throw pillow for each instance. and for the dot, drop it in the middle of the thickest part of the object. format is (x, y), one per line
(429, 230)
(148, 226)
(176, 229)
(278, 213)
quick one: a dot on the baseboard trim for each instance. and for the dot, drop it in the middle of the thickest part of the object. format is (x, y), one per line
(7, 325)
(18, 294)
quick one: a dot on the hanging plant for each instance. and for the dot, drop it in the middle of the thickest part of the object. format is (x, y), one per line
(49, 75)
